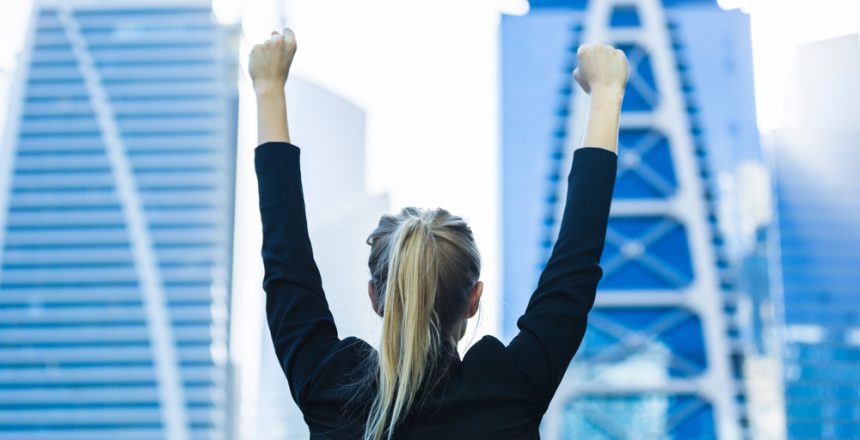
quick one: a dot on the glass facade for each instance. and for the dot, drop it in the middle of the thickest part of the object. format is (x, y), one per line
(662, 344)
(118, 180)
(816, 159)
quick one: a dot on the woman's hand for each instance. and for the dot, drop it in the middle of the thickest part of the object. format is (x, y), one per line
(269, 62)
(601, 68)
(602, 73)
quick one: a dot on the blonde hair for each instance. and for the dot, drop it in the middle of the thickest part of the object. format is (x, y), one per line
(423, 264)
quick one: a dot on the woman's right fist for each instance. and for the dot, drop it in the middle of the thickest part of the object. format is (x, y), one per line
(601, 67)
(269, 62)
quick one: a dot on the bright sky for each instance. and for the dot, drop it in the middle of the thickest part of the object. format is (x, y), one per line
(389, 46)
(778, 26)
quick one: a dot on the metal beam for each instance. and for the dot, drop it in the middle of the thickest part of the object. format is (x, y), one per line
(700, 297)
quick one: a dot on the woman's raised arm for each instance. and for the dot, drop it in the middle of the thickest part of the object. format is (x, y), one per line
(602, 73)
(269, 65)
(553, 325)
(301, 324)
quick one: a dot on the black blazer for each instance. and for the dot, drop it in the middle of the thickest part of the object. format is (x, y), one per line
(495, 391)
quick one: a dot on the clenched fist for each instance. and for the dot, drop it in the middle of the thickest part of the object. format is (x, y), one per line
(601, 68)
(269, 62)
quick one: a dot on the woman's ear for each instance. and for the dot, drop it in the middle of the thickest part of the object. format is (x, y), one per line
(474, 299)
(374, 298)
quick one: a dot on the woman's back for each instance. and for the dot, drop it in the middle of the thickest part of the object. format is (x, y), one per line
(424, 283)
(509, 386)
(480, 397)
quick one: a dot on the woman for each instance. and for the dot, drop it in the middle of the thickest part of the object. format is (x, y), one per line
(425, 268)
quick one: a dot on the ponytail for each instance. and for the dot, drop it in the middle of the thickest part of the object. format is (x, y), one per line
(410, 329)
(423, 264)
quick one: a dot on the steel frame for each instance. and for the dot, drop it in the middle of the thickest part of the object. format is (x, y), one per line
(700, 296)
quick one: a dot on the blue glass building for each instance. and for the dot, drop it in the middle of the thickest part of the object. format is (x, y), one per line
(663, 354)
(116, 211)
(816, 160)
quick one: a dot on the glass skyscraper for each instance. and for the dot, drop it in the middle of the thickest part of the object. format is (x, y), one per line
(663, 353)
(116, 211)
(816, 159)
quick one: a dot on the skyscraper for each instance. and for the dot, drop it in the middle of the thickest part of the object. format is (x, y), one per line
(816, 158)
(662, 356)
(116, 208)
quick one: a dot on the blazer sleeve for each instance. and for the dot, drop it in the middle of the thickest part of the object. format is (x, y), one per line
(553, 325)
(301, 324)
